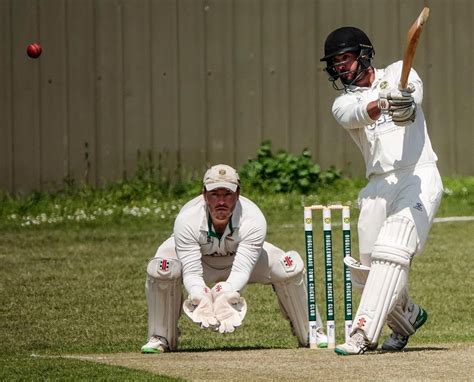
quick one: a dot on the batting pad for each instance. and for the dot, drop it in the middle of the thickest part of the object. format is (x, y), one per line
(289, 282)
(388, 276)
(385, 282)
(163, 295)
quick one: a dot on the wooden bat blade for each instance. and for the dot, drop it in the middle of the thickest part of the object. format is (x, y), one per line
(413, 36)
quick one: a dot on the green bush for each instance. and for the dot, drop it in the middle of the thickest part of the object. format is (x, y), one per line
(285, 172)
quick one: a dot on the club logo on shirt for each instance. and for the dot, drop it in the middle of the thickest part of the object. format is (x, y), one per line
(383, 119)
(418, 206)
(384, 85)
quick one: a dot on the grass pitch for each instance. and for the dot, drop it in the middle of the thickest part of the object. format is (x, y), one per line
(74, 292)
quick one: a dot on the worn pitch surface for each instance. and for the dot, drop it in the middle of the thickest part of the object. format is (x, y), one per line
(433, 362)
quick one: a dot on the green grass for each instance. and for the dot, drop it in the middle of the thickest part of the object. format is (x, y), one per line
(77, 287)
(17, 368)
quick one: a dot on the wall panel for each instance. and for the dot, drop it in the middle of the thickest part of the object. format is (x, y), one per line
(165, 85)
(219, 81)
(187, 83)
(275, 72)
(247, 55)
(463, 81)
(441, 114)
(26, 97)
(110, 90)
(53, 113)
(6, 94)
(81, 92)
(302, 75)
(331, 138)
(137, 84)
(192, 84)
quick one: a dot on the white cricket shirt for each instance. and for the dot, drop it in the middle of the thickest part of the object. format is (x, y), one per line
(385, 146)
(195, 237)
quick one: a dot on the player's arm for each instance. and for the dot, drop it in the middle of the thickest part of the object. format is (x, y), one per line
(199, 304)
(229, 306)
(354, 113)
(373, 110)
(188, 251)
(248, 252)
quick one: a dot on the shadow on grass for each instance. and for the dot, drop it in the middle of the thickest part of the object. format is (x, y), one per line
(229, 348)
(415, 349)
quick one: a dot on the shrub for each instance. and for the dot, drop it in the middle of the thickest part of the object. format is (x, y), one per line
(285, 172)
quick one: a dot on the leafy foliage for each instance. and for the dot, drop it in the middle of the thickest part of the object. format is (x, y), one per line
(152, 195)
(285, 172)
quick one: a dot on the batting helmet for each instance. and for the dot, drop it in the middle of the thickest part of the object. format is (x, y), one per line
(343, 40)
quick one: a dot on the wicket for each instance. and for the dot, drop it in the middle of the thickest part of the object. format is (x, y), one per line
(328, 261)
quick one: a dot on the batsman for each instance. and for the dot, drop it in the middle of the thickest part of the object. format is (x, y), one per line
(404, 189)
(218, 247)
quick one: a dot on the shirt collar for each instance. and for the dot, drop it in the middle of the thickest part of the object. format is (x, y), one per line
(212, 233)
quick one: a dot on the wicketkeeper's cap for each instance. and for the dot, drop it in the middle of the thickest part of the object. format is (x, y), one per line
(221, 176)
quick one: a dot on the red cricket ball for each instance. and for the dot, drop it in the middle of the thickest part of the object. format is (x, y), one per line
(34, 50)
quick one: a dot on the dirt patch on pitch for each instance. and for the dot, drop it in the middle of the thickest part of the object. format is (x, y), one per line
(434, 362)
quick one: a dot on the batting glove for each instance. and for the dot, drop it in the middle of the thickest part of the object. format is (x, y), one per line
(399, 104)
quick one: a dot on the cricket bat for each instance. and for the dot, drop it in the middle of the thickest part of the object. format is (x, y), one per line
(413, 36)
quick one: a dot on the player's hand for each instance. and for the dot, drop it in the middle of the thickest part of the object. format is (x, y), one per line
(229, 307)
(200, 309)
(399, 104)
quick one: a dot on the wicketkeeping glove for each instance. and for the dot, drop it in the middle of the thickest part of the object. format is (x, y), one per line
(229, 307)
(400, 105)
(200, 309)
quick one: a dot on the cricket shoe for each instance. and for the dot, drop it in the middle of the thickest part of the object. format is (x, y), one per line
(321, 338)
(357, 344)
(396, 342)
(156, 344)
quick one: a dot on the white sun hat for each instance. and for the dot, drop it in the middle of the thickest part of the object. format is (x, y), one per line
(221, 176)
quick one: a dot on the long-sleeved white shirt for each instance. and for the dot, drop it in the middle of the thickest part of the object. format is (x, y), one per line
(195, 237)
(385, 146)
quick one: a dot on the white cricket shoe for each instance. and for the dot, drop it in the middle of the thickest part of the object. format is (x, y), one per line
(357, 344)
(397, 342)
(156, 344)
(321, 338)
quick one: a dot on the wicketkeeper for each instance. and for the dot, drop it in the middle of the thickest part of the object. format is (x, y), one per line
(398, 205)
(218, 247)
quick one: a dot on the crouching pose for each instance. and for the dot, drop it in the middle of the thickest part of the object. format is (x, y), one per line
(218, 247)
(398, 205)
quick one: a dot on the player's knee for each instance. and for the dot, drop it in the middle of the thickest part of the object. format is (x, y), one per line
(163, 269)
(288, 266)
(397, 241)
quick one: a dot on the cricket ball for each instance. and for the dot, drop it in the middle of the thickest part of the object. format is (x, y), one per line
(34, 50)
